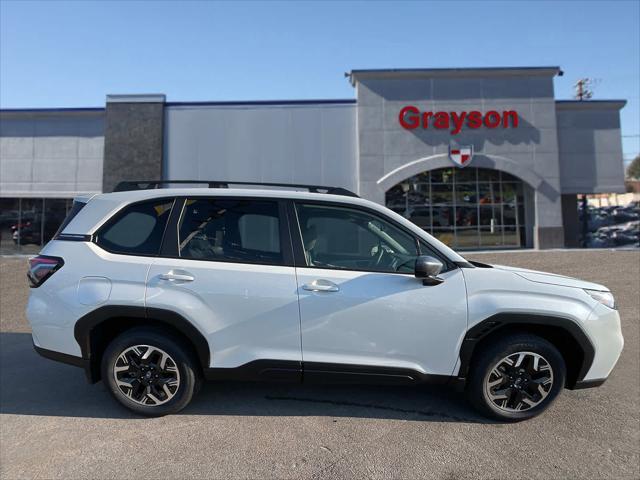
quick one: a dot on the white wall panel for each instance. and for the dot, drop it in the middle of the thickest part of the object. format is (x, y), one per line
(313, 143)
(51, 154)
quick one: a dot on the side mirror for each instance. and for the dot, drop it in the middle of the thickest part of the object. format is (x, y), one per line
(427, 268)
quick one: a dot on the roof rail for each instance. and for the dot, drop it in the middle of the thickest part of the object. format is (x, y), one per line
(129, 185)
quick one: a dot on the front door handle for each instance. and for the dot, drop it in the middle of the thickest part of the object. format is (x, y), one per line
(180, 277)
(321, 285)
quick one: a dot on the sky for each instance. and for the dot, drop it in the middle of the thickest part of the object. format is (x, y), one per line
(71, 54)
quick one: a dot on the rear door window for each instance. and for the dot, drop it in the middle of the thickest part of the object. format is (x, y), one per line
(230, 230)
(138, 229)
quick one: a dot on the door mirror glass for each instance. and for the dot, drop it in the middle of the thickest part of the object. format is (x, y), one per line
(427, 268)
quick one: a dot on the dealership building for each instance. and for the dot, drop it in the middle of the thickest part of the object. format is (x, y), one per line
(479, 157)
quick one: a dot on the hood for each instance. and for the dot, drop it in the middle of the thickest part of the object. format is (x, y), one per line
(552, 278)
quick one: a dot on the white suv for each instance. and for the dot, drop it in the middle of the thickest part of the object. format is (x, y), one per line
(152, 290)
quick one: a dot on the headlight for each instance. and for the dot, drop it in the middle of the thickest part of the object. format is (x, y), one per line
(605, 298)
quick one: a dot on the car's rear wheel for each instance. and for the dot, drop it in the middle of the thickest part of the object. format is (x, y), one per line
(149, 372)
(516, 378)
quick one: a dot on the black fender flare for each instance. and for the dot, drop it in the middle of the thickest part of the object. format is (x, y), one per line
(500, 320)
(85, 326)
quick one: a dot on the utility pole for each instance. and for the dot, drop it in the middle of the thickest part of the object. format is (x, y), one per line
(582, 89)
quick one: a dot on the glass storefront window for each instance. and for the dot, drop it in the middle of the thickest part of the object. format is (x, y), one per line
(491, 237)
(464, 208)
(442, 175)
(510, 192)
(467, 216)
(441, 194)
(28, 236)
(509, 215)
(442, 217)
(27, 224)
(490, 215)
(466, 237)
(445, 235)
(512, 236)
(467, 175)
(466, 193)
(421, 216)
(488, 192)
(55, 211)
(486, 175)
(9, 220)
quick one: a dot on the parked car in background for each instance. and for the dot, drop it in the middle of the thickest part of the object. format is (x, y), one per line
(622, 235)
(611, 226)
(30, 230)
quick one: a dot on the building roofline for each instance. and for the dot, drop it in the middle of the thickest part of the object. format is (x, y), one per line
(354, 75)
(590, 104)
(52, 110)
(231, 103)
(137, 98)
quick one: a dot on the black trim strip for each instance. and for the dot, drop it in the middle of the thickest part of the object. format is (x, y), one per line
(74, 237)
(324, 373)
(259, 370)
(155, 184)
(169, 247)
(84, 331)
(61, 357)
(464, 264)
(588, 383)
(316, 372)
(286, 235)
(489, 325)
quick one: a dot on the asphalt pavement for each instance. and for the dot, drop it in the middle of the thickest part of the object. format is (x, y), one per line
(53, 424)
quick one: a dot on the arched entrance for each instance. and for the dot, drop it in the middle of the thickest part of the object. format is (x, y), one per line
(465, 208)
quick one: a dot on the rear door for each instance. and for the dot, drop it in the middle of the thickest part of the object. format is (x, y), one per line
(227, 267)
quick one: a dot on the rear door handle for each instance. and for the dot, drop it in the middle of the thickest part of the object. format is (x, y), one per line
(180, 277)
(321, 285)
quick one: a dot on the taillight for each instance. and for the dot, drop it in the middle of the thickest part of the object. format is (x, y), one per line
(41, 268)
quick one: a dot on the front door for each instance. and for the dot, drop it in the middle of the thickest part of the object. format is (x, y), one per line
(230, 275)
(361, 305)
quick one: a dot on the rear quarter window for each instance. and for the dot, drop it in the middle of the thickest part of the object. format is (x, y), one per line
(75, 209)
(136, 230)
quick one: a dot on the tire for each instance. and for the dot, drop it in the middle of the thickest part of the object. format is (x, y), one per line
(162, 383)
(498, 388)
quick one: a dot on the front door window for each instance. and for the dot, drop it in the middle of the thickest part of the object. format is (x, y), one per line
(350, 239)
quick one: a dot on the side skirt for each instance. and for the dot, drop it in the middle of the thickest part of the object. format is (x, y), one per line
(325, 373)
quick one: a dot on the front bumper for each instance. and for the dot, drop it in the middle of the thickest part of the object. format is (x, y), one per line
(603, 328)
(581, 384)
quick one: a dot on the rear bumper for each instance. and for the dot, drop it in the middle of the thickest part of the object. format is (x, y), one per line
(63, 358)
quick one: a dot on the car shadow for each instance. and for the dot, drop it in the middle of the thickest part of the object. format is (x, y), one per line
(32, 385)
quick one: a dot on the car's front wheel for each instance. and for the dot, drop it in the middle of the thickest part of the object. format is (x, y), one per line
(516, 378)
(149, 372)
